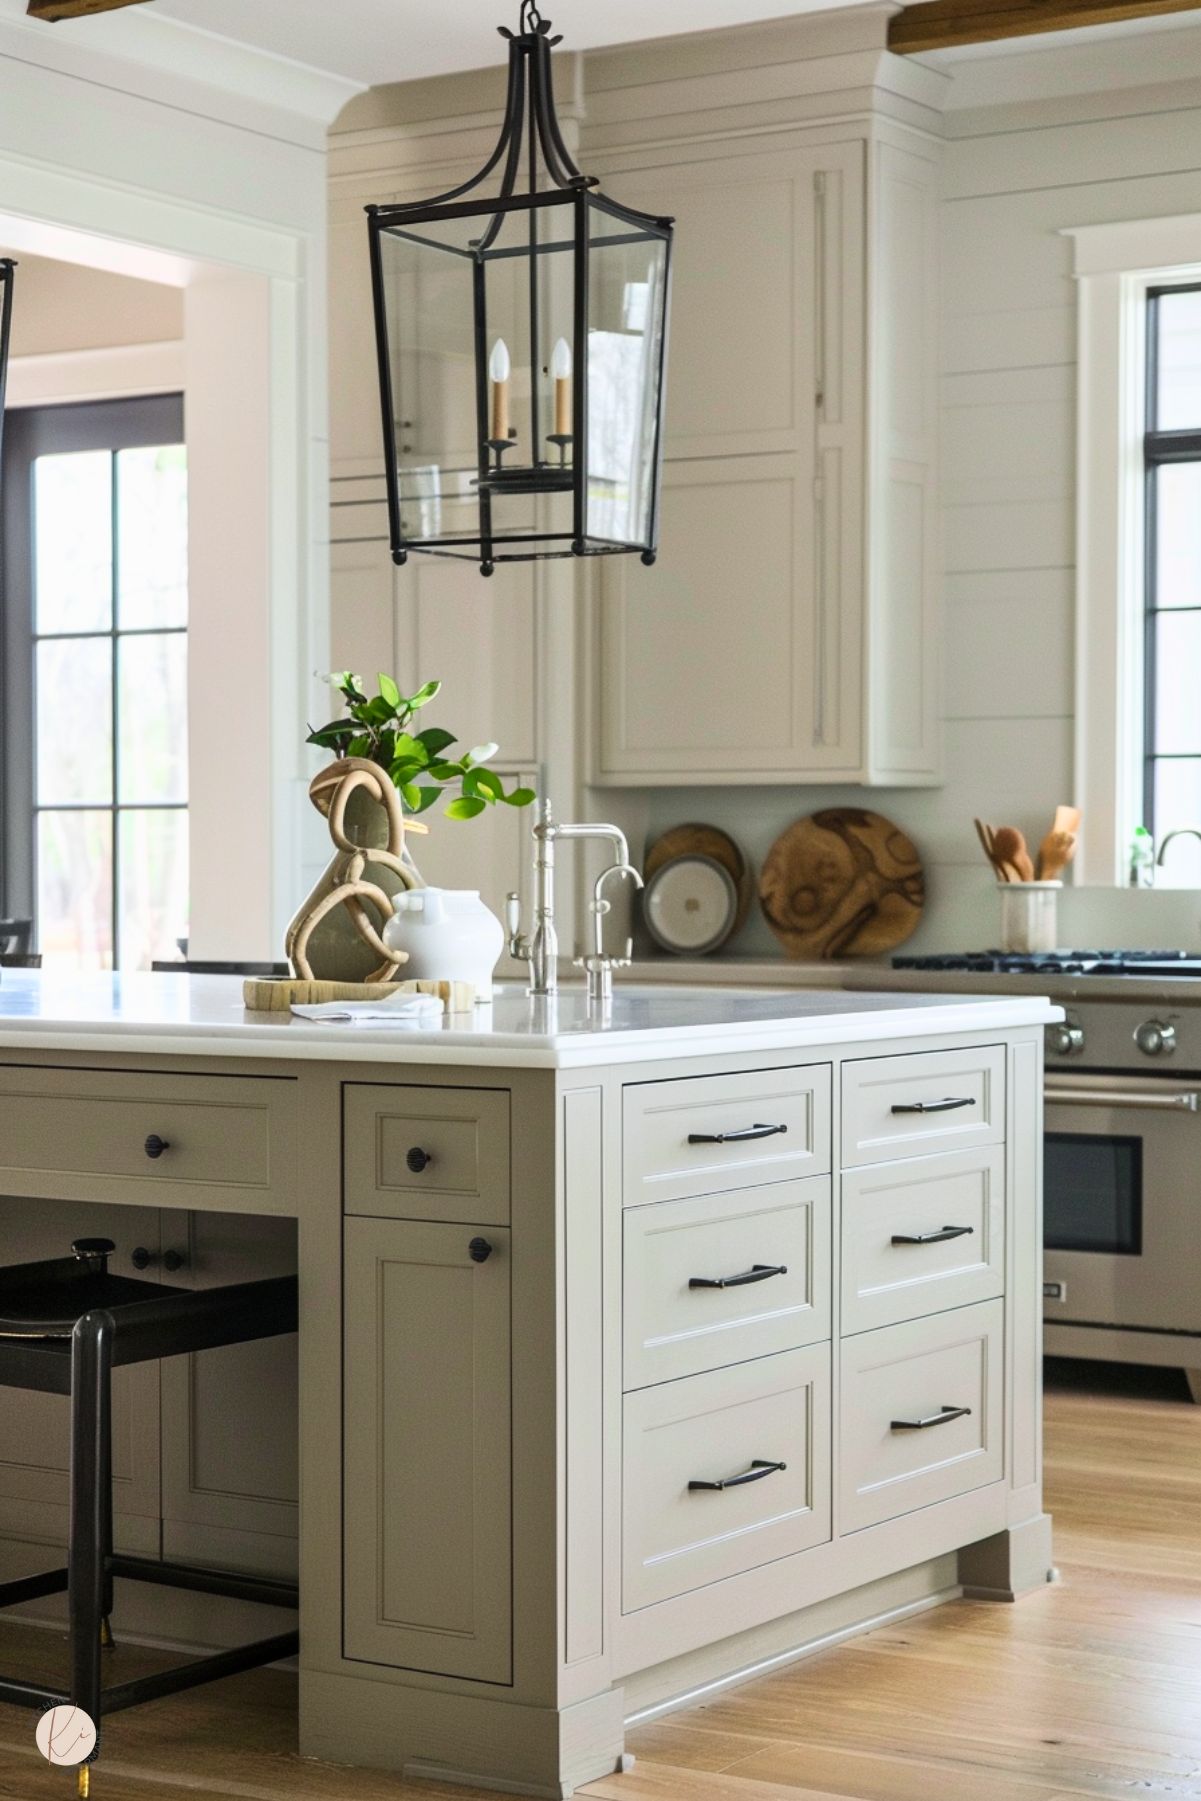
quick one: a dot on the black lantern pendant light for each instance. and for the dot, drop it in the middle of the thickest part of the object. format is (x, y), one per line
(6, 317)
(522, 339)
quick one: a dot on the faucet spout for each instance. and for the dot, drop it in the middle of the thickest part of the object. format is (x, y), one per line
(1182, 831)
(540, 948)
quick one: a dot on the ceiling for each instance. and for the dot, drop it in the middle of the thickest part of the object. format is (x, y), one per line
(372, 41)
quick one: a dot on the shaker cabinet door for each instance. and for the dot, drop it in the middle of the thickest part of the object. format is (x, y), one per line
(738, 657)
(427, 1528)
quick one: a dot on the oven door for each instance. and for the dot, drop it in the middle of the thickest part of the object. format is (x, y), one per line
(1122, 1202)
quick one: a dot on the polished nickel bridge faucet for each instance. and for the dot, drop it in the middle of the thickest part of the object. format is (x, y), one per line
(540, 948)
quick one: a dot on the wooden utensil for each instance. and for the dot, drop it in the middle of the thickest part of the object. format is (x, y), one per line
(1067, 819)
(1009, 847)
(843, 882)
(1054, 854)
(987, 839)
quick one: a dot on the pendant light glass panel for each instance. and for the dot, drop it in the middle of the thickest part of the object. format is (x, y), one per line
(627, 312)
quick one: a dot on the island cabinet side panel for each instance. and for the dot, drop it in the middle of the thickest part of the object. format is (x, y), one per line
(428, 1546)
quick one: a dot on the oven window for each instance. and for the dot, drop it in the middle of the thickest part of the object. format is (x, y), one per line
(1093, 1193)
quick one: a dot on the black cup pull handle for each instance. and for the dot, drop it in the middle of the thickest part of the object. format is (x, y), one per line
(949, 1105)
(939, 1237)
(760, 1468)
(155, 1146)
(742, 1136)
(418, 1159)
(758, 1272)
(479, 1250)
(943, 1417)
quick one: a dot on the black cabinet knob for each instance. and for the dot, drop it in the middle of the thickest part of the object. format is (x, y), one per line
(140, 1257)
(173, 1260)
(479, 1250)
(418, 1159)
(155, 1146)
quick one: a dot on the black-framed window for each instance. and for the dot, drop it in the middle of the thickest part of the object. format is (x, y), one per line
(95, 715)
(1172, 449)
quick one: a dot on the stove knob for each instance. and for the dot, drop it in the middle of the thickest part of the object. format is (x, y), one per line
(1065, 1040)
(1155, 1039)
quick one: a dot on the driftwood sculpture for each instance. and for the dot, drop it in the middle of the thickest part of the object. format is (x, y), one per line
(368, 828)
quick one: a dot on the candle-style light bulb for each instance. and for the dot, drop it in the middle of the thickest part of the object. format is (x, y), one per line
(499, 368)
(560, 368)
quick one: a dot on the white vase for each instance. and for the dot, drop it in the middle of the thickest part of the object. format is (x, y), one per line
(450, 936)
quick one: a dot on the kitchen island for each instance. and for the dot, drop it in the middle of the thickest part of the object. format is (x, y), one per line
(637, 1351)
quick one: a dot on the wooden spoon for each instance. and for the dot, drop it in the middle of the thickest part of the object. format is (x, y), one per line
(1009, 847)
(1067, 819)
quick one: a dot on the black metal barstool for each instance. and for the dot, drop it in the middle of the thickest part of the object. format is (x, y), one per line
(65, 1325)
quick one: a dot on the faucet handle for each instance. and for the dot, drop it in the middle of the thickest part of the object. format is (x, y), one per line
(513, 914)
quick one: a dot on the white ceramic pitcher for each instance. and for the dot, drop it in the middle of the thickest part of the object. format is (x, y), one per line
(450, 936)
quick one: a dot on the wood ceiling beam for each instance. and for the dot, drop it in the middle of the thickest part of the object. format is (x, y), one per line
(54, 10)
(938, 24)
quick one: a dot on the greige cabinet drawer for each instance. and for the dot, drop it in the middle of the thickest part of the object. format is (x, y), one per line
(921, 1413)
(702, 1134)
(723, 1277)
(921, 1236)
(426, 1153)
(724, 1472)
(936, 1101)
(194, 1141)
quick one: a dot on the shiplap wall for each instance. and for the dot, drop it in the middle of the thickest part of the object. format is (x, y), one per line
(1056, 138)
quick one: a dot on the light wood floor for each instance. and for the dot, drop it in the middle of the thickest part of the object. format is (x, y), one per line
(1089, 1688)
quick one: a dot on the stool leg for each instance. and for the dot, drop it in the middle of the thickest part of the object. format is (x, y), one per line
(106, 1515)
(91, 1375)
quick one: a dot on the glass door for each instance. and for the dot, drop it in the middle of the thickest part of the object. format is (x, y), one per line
(95, 739)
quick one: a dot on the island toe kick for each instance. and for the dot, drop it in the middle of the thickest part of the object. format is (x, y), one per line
(626, 1370)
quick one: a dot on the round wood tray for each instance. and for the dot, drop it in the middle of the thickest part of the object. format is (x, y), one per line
(842, 883)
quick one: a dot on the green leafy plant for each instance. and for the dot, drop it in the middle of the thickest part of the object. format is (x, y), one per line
(377, 727)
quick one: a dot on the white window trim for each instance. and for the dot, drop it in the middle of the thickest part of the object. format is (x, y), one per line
(63, 377)
(1115, 265)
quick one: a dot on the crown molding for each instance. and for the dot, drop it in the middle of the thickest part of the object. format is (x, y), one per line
(159, 58)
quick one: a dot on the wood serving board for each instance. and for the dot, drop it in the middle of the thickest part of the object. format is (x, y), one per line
(705, 841)
(842, 883)
(276, 994)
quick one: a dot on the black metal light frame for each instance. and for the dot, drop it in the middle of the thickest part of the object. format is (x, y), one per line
(7, 265)
(530, 125)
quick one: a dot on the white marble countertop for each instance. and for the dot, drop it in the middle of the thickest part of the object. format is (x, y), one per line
(204, 1016)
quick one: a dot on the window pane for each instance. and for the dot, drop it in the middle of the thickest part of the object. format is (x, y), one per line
(74, 721)
(1179, 347)
(73, 542)
(153, 897)
(1178, 535)
(1178, 803)
(75, 875)
(152, 537)
(152, 715)
(1177, 664)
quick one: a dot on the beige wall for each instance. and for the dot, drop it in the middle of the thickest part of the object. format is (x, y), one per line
(63, 306)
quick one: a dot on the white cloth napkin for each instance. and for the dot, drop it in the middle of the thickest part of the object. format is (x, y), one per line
(406, 1010)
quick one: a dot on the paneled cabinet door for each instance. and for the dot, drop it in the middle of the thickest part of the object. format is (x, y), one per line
(738, 657)
(427, 1523)
(34, 1428)
(229, 1416)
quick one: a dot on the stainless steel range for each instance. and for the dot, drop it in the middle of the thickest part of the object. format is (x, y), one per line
(1122, 1210)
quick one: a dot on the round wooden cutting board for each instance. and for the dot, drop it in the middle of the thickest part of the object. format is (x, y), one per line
(842, 883)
